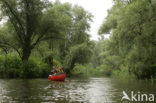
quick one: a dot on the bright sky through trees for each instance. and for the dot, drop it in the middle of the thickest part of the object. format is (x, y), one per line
(98, 8)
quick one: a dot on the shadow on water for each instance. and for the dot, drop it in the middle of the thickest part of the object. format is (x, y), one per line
(79, 90)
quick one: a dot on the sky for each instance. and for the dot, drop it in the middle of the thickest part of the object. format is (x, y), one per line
(98, 8)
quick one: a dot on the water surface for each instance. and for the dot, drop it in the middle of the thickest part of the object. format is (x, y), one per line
(81, 90)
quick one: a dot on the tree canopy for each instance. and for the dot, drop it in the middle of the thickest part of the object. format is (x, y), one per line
(133, 38)
(41, 28)
(31, 22)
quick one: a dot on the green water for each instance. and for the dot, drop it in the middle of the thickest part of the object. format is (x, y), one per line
(82, 90)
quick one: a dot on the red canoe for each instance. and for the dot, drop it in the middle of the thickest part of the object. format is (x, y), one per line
(60, 77)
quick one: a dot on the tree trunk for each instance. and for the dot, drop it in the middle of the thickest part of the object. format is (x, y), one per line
(26, 53)
(71, 66)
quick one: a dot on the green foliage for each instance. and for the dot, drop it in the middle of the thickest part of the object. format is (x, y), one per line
(123, 73)
(77, 47)
(131, 49)
(105, 70)
(112, 18)
(79, 70)
(40, 29)
(77, 54)
(31, 22)
(11, 67)
(85, 70)
(81, 53)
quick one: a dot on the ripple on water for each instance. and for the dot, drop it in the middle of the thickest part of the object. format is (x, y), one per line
(91, 90)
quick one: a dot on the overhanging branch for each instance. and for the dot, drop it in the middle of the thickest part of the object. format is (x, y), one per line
(46, 38)
(6, 44)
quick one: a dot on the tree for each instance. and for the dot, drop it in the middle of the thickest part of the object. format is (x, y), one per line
(30, 22)
(133, 36)
(77, 47)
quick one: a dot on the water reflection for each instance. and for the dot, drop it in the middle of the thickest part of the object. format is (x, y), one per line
(91, 90)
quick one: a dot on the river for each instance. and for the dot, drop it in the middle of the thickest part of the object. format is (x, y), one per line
(73, 90)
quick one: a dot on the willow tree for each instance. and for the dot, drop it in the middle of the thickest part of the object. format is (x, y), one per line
(133, 37)
(77, 47)
(29, 22)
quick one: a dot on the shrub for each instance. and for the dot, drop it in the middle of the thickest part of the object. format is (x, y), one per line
(13, 67)
(123, 73)
(85, 70)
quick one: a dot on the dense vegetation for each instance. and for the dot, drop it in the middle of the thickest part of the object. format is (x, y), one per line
(41, 30)
(131, 49)
(11, 67)
(36, 30)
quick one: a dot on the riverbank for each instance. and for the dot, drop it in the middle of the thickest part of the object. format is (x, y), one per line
(13, 67)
